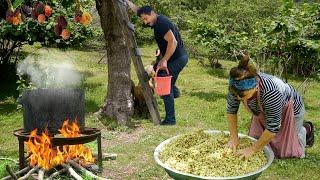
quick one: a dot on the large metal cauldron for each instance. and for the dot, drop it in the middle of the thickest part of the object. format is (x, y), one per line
(48, 108)
(180, 175)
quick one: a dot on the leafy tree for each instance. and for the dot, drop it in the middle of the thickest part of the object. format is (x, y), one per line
(47, 22)
(294, 38)
(277, 33)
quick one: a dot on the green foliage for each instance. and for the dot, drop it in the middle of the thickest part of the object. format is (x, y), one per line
(143, 33)
(195, 4)
(280, 34)
(287, 36)
(160, 6)
(23, 85)
(230, 25)
(17, 3)
(294, 37)
(30, 29)
(221, 44)
(240, 15)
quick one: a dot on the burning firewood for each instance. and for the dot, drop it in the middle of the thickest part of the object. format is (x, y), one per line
(44, 156)
(72, 172)
(34, 169)
(57, 173)
(70, 166)
(41, 174)
(84, 170)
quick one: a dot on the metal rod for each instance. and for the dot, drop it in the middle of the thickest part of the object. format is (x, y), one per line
(21, 154)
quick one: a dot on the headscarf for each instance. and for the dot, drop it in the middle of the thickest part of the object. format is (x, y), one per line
(243, 84)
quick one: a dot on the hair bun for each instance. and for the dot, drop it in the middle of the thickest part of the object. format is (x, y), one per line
(243, 63)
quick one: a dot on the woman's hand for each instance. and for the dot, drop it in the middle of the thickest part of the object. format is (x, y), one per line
(233, 144)
(265, 138)
(246, 152)
(233, 128)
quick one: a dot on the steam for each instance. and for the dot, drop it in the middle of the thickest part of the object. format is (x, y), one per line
(50, 69)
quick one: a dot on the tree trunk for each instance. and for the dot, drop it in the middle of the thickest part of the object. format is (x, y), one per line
(118, 103)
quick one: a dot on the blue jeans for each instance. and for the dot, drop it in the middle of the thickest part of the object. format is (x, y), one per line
(175, 66)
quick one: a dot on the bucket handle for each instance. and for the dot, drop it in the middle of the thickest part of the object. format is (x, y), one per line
(159, 69)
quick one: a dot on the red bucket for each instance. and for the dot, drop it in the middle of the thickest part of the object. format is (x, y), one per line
(162, 84)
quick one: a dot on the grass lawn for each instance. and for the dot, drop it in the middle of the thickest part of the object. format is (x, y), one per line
(201, 106)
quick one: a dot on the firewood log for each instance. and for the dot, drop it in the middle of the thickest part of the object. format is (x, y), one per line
(9, 170)
(18, 173)
(41, 174)
(84, 170)
(34, 169)
(72, 172)
(57, 173)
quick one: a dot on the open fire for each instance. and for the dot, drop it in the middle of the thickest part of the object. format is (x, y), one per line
(52, 155)
(56, 151)
(44, 155)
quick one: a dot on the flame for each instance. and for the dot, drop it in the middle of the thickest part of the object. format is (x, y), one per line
(70, 131)
(42, 153)
(75, 151)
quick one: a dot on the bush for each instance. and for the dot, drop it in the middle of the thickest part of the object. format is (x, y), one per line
(294, 38)
(49, 23)
(288, 34)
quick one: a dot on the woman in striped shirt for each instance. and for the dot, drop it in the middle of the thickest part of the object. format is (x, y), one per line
(277, 112)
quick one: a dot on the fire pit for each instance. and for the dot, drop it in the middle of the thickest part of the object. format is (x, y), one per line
(87, 135)
(45, 110)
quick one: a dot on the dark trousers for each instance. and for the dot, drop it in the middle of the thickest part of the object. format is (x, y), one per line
(175, 66)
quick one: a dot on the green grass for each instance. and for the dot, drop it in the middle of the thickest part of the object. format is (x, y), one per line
(201, 106)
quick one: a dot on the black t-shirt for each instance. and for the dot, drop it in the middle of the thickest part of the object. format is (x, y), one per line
(161, 27)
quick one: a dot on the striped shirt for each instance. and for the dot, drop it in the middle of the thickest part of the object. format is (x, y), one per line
(274, 95)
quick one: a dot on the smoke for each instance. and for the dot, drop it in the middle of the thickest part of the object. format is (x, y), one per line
(50, 69)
